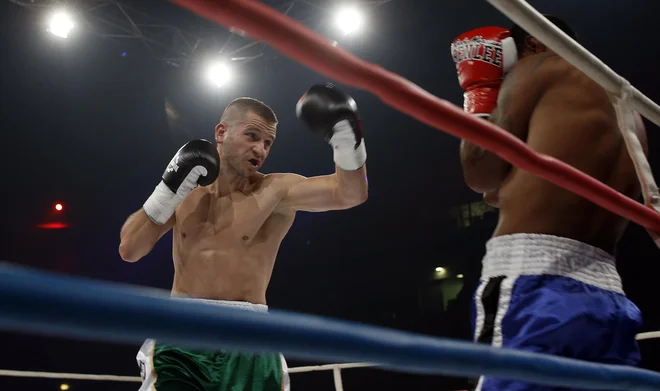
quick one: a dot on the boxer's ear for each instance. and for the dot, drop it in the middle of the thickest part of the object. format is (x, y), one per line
(220, 131)
(533, 45)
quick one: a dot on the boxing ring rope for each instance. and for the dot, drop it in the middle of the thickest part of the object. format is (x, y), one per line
(335, 368)
(44, 303)
(310, 368)
(311, 49)
(136, 379)
(69, 376)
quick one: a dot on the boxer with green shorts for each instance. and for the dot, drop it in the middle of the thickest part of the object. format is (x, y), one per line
(228, 221)
(171, 368)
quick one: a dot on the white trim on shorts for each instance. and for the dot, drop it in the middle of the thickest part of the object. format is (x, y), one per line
(244, 305)
(536, 254)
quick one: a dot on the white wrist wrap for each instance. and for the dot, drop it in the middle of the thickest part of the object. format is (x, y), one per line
(346, 156)
(161, 204)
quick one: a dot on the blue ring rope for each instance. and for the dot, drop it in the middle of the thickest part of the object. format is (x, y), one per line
(50, 304)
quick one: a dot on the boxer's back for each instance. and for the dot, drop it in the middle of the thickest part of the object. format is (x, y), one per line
(574, 121)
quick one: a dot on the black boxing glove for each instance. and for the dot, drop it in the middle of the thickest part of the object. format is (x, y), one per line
(333, 115)
(196, 163)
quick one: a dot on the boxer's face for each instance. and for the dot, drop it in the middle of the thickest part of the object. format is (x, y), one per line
(246, 142)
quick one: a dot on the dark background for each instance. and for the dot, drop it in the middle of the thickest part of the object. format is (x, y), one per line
(83, 125)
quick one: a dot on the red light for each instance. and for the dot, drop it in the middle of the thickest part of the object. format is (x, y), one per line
(58, 207)
(53, 226)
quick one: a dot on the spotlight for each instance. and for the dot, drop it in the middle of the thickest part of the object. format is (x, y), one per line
(349, 20)
(219, 74)
(61, 24)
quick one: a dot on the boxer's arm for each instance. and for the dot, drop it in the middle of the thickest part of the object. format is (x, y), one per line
(338, 191)
(196, 163)
(139, 235)
(484, 171)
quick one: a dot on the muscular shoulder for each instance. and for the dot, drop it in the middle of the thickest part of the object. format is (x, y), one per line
(283, 179)
(535, 72)
(544, 71)
(278, 184)
(281, 182)
(521, 91)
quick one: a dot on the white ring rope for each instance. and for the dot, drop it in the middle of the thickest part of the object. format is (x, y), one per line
(69, 376)
(336, 368)
(329, 367)
(648, 335)
(84, 376)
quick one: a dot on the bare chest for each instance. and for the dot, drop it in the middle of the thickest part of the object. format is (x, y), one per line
(233, 217)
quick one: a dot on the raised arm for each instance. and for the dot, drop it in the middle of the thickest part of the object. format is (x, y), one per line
(196, 163)
(333, 116)
(341, 190)
(483, 56)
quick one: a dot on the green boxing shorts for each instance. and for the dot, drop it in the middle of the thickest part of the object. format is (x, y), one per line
(172, 368)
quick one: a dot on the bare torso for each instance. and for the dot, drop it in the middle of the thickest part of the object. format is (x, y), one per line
(224, 248)
(575, 122)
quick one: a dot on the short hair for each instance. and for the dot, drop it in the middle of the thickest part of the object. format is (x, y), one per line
(246, 104)
(519, 35)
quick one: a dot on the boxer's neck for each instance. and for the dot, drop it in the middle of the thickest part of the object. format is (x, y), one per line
(228, 182)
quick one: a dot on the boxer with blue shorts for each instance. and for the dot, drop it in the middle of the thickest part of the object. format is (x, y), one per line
(553, 295)
(549, 281)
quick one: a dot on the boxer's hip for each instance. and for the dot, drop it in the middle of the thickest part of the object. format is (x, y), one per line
(167, 367)
(554, 295)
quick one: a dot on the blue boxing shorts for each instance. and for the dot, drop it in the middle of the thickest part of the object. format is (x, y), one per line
(553, 295)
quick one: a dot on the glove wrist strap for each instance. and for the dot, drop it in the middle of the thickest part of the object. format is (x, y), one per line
(346, 154)
(161, 204)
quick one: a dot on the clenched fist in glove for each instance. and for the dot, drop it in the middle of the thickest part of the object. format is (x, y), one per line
(196, 163)
(333, 116)
(483, 56)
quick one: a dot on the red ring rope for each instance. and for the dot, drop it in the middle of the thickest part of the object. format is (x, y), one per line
(305, 46)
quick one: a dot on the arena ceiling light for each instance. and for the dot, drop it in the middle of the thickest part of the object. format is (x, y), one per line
(219, 73)
(349, 19)
(60, 24)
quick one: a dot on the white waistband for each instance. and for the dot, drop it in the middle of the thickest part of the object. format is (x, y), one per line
(536, 254)
(226, 303)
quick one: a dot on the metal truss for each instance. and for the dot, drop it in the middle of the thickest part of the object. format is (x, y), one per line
(176, 37)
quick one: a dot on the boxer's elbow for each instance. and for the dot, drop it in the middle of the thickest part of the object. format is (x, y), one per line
(351, 199)
(126, 253)
(129, 252)
(359, 198)
(480, 181)
(483, 171)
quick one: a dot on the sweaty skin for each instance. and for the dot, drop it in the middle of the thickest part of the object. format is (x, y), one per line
(226, 235)
(559, 112)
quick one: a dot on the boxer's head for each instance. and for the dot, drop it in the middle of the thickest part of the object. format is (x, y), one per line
(245, 135)
(527, 44)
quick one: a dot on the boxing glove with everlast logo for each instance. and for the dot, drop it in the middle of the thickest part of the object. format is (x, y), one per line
(196, 163)
(482, 57)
